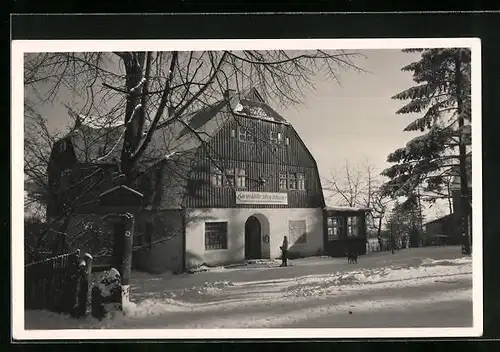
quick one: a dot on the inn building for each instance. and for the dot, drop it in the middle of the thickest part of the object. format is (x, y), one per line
(226, 184)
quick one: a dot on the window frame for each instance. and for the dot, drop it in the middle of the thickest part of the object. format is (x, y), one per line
(350, 226)
(241, 178)
(336, 226)
(216, 176)
(283, 177)
(300, 181)
(292, 181)
(211, 247)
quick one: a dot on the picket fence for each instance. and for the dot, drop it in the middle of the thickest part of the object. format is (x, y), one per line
(58, 284)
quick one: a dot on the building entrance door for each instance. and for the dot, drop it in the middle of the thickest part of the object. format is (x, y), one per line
(253, 238)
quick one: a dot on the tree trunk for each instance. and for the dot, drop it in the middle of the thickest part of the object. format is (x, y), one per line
(379, 228)
(464, 189)
(133, 113)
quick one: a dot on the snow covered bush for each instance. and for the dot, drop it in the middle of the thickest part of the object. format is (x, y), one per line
(106, 294)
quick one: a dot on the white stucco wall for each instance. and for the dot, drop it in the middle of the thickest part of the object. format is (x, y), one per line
(277, 227)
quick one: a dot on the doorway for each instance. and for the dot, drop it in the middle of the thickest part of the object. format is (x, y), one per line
(253, 248)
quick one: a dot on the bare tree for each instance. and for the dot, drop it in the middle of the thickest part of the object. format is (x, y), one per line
(359, 186)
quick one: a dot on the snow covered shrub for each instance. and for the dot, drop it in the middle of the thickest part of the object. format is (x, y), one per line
(106, 294)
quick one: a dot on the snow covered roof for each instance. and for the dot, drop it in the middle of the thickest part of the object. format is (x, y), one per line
(99, 140)
(341, 208)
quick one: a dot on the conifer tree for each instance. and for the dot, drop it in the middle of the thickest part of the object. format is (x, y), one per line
(442, 96)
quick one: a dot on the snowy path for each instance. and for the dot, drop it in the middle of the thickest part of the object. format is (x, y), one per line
(383, 291)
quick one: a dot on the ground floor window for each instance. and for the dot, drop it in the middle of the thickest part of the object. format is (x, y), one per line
(334, 226)
(352, 226)
(215, 235)
(297, 231)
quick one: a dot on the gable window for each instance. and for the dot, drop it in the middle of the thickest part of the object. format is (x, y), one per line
(243, 134)
(297, 231)
(352, 226)
(273, 137)
(63, 145)
(283, 181)
(215, 235)
(334, 226)
(280, 137)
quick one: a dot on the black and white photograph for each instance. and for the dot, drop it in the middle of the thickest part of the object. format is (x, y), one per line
(244, 188)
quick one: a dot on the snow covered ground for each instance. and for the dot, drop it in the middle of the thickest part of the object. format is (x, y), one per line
(412, 288)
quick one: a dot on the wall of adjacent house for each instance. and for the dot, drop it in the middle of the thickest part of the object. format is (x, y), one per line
(275, 224)
(159, 239)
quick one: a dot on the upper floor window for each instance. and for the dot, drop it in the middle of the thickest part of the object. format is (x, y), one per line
(243, 134)
(283, 181)
(279, 138)
(217, 178)
(300, 181)
(241, 178)
(292, 180)
(230, 177)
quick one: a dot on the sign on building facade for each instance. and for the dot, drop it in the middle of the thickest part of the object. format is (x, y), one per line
(270, 198)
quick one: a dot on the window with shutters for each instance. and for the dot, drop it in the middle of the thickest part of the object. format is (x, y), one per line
(297, 231)
(215, 235)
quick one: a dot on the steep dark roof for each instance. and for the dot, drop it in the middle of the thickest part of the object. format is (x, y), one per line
(105, 144)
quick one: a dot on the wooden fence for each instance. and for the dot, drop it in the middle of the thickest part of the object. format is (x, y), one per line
(59, 284)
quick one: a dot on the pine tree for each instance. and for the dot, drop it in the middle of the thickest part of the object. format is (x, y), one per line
(443, 96)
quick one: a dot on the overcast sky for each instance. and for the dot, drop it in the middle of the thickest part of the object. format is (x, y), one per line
(354, 121)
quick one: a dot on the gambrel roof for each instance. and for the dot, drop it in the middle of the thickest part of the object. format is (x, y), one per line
(104, 144)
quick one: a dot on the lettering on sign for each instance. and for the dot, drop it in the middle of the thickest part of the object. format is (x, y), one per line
(271, 198)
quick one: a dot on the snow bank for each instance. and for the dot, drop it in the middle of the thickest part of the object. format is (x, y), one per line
(381, 278)
(267, 303)
(204, 268)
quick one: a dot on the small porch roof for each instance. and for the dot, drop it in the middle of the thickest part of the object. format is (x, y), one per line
(347, 209)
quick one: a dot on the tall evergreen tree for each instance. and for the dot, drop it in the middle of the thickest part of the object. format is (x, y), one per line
(443, 97)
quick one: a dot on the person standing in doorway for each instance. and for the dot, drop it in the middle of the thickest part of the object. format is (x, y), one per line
(284, 251)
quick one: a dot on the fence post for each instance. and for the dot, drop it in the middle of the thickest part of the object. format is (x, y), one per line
(85, 279)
